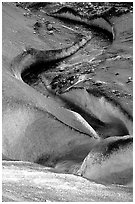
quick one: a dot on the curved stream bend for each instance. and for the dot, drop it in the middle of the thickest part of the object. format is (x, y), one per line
(32, 58)
(110, 119)
(109, 116)
(98, 21)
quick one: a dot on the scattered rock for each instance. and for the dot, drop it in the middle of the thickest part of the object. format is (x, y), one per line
(71, 78)
(50, 32)
(37, 25)
(17, 4)
(127, 95)
(92, 70)
(27, 14)
(49, 27)
(116, 92)
(43, 20)
(98, 83)
(113, 91)
(129, 80)
(77, 70)
(117, 73)
(71, 82)
(61, 69)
